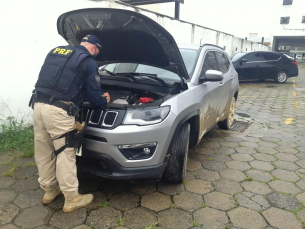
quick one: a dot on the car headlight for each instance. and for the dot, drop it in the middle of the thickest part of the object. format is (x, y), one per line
(146, 116)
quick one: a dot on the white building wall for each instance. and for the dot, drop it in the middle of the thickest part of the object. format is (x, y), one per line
(295, 11)
(29, 31)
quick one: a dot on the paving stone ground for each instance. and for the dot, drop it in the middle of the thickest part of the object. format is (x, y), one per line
(253, 179)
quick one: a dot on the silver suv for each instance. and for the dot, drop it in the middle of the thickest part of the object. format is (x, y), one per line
(164, 97)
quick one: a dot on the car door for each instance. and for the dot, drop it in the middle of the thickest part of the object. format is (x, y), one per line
(269, 65)
(209, 98)
(250, 69)
(224, 91)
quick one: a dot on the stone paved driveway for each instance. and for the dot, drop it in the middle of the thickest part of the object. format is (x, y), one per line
(253, 179)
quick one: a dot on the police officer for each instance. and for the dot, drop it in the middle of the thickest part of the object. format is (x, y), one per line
(68, 76)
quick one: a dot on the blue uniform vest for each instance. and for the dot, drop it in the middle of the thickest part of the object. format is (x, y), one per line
(59, 77)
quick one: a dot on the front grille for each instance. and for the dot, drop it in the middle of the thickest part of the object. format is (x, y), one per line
(110, 118)
(95, 117)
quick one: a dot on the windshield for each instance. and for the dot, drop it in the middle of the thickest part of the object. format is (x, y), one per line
(167, 76)
(189, 57)
(237, 56)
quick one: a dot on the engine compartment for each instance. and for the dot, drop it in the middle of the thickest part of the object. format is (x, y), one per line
(126, 96)
(137, 94)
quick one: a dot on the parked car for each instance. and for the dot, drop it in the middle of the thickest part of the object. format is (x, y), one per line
(164, 98)
(298, 56)
(265, 65)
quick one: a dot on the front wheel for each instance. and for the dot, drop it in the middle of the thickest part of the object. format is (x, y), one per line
(175, 170)
(281, 77)
(227, 123)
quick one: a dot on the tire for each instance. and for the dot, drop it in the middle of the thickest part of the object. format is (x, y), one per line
(175, 170)
(227, 123)
(281, 77)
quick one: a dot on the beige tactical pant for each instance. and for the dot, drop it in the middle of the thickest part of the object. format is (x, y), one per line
(50, 122)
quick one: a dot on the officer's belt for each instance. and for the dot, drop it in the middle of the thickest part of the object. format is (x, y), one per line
(43, 98)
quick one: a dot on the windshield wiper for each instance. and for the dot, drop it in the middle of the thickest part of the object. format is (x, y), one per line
(109, 72)
(153, 77)
(119, 75)
(130, 77)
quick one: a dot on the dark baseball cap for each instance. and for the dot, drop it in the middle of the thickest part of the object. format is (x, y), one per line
(92, 39)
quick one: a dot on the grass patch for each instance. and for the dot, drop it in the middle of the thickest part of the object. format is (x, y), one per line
(204, 205)
(298, 210)
(173, 205)
(249, 179)
(196, 224)
(275, 178)
(17, 135)
(210, 159)
(120, 222)
(152, 226)
(103, 205)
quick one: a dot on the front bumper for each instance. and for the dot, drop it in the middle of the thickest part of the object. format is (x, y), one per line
(107, 141)
(105, 166)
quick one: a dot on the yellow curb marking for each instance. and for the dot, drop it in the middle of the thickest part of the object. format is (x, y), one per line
(288, 121)
(293, 81)
(293, 85)
(296, 106)
(294, 93)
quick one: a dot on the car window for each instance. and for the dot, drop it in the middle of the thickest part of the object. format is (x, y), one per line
(237, 56)
(222, 62)
(253, 57)
(209, 62)
(267, 56)
(189, 57)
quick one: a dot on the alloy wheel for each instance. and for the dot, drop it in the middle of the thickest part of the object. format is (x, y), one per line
(281, 77)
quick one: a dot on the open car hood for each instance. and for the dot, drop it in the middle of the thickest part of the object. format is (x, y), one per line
(126, 37)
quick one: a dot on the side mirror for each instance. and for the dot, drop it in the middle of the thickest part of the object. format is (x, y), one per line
(213, 75)
(243, 61)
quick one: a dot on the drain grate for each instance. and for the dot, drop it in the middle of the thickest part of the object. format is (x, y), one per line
(239, 126)
(269, 86)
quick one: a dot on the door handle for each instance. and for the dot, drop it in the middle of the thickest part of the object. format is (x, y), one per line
(220, 84)
(232, 77)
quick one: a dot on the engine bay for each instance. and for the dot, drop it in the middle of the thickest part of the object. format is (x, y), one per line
(119, 95)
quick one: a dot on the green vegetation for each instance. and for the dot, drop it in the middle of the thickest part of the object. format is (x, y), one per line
(204, 205)
(120, 222)
(17, 135)
(103, 205)
(196, 224)
(249, 179)
(152, 226)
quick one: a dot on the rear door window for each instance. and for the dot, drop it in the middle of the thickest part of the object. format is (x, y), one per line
(222, 62)
(270, 56)
(253, 57)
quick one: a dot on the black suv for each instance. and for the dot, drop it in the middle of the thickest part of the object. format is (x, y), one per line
(265, 65)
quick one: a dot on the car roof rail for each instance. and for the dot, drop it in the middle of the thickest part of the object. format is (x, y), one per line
(211, 45)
